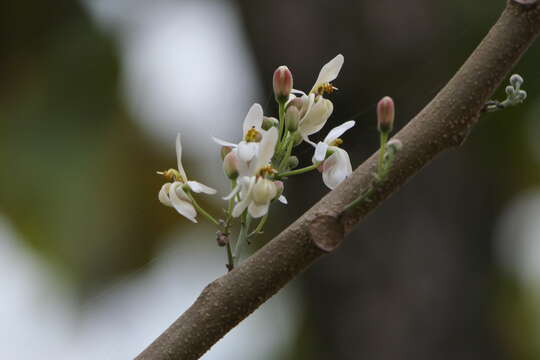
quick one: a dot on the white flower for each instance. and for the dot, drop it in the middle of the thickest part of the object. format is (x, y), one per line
(255, 191)
(337, 166)
(315, 109)
(252, 134)
(329, 72)
(316, 117)
(263, 192)
(174, 194)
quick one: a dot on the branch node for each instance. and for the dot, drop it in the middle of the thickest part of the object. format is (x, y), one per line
(326, 232)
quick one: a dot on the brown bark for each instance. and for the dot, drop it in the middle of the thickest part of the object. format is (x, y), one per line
(443, 124)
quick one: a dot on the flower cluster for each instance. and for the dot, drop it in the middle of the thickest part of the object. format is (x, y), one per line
(263, 158)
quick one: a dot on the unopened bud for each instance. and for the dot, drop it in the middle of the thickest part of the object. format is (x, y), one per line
(395, 144)
(297, 138)
(221, 238)
(301, 103)
(292, 117)
(230, 165)
(283, 83)
(521, 95)
(263, 191)
(516, 81)
(292, 162)
(268, 122)
(509, 90)
(224, 151)
(279, 188)
(385, 114)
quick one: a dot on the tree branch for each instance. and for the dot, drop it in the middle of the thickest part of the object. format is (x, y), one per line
(443, 124)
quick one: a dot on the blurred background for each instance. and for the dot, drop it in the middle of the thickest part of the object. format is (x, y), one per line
(92, 266)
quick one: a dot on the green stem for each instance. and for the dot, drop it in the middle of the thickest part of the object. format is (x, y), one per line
(382, 170)
(230, 208)
(201, 210)
(283, 144)
(281, 121)
(260, 226)
(230, 258)
(287, 154)
(384, 139)
(242, 236)
(299, 171)
(365, 195)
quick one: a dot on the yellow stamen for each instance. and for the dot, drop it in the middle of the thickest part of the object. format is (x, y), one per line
(336, 142)
(325, 88)
(268, 169)
(253, 135)
(171, 175)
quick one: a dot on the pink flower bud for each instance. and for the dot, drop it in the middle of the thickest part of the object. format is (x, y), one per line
(283, 83)
(230, 165)
(279, 188)
(385, 114)
(224, 151)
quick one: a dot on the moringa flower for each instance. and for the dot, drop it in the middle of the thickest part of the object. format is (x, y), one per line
(254, 189)
(314, 108)
(329, 72)
(337, 166)
(315, 118)
(252, 130)
(174, 193)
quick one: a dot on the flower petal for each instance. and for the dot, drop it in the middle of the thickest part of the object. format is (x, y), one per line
(223, 142)
(320, 152)
(282, 199)
(329, 71)
(163, 195)
(197, 187)
(291, 98)
(296, 91)
(338, 131)
(247, 150)
(267, 148)
(233, 193)
(254, 118)
(179, 157)
(258, 210)
(336, 168)
(245, 193)
(184, 208)
(316, 118)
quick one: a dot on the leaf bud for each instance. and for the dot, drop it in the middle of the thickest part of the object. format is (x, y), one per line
(521, 95)
(509, 91)
(395, 144)
(516, 81)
